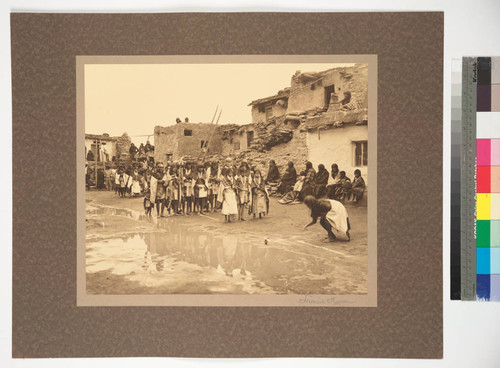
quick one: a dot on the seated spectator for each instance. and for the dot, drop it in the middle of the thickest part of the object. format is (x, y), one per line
(273, 174)
(288, 180)
(333, 182)
(273, 178)
(349, 102)
(309, 181)
(321, 181)
(132, 151)
(358, 186)
(293, 195)
(344, 188)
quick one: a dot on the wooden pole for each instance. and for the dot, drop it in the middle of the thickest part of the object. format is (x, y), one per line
(95, 160)
(211, 135)
(215, 113)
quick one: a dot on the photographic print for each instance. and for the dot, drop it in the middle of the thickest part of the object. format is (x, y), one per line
(167, 226)
(227, 180)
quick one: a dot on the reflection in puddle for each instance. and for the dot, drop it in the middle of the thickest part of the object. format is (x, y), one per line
(175, 258)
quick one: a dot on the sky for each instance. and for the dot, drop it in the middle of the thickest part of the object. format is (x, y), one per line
(134, 98)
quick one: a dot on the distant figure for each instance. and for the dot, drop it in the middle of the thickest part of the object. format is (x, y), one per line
(229, 202)
(213, 184)
(158, 192)
(260, 197)
(333, 181)
(132, 151)
(333, 217)
(136, 186)
(141, 149)
(100, 179)
(178, 121)
(87, 176)
(242, 186)
(273, 174)
(148, 205)
(293, 195)
(147, 147)
(90, 156)
(358, 186)
(344, 187)
(105, 155)
(186, 120)
(349, 102)
(321, 181)
(309, 181)
(288, 180)
(201, 193)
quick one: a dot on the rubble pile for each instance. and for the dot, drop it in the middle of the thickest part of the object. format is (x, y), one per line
(271, 133)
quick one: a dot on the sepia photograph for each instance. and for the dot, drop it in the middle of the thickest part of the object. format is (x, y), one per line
(211, 181)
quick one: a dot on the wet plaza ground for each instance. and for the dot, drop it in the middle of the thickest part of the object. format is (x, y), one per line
(128, 252)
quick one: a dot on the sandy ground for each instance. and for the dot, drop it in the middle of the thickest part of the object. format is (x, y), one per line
(131, 253)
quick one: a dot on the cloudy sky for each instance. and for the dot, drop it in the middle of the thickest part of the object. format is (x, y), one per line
(134, 98)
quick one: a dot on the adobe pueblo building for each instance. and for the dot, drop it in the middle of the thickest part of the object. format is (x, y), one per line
(187, 140)
(104, 149)
(311, 120)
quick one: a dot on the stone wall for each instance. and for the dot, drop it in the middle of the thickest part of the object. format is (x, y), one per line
(295, 150)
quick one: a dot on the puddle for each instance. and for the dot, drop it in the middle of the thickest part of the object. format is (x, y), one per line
(176, 258)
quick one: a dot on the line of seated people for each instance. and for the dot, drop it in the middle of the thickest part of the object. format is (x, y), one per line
(336, 185)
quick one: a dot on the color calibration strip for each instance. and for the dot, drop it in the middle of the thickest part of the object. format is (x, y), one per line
(488, 179)
(480, 182)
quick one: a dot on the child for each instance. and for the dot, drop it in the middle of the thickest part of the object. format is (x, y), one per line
(188, 192)
(202, 191)
(174, 190)
(148, 205)
(213, 183)
(136, 185)
(123, 184)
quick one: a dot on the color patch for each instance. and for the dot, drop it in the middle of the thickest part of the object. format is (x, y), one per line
(483, 261)
(483, 287)
(495, 152)
(495, 71)
(495, 287)
(484, 98)
(483, 233)
(488, 125)
(484, 70)
(494, 233)
(483, 152)
(495, 206)
(483, 201)
(495, 179)
(483, 179)
(494, 261)
(495, 97)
